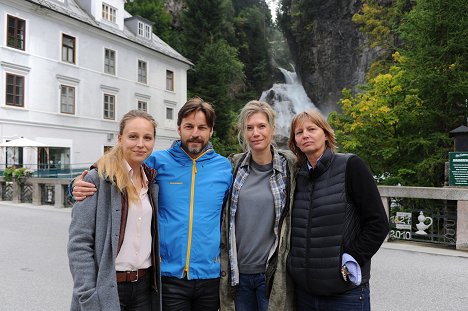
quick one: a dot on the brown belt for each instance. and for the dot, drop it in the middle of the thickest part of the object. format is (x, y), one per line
(130, 276)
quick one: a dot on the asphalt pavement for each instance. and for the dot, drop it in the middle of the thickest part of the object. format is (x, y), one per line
(35, 275)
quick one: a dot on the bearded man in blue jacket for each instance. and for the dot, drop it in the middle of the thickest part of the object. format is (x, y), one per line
(193, 183)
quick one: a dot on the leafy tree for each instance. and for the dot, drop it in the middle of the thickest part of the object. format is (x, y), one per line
(381, 125)
(380, 21)
(400, 122)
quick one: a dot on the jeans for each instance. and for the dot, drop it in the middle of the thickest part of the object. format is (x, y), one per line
(250, 294)
(136, 296)
(190, 295)
(357, 299)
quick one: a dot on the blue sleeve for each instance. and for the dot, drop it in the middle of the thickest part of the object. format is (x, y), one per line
(151, 160)
(70, 190)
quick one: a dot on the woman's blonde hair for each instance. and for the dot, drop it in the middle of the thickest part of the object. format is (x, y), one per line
(251, 108)
(314, 116)
(111, 165)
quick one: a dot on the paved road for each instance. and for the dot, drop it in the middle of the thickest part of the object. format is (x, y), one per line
(411, 279)
(33, 259)
(35, 276)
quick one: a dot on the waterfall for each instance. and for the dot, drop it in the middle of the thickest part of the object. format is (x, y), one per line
(287, 99)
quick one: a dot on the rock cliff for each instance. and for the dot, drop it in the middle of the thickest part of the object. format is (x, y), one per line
(329, 51)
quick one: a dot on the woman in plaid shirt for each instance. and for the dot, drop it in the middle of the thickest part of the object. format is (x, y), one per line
(255, 228)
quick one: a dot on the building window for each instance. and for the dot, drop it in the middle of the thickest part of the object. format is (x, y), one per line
(67, 99)
(169, 113)
(14, 90)
(143, 106)
(68, 48)
(169, 80)
(109, 13)
(144, 30)
(140, 29)
(109, 107)
(109, 61)
(147, 31)
(142, 73)
(16, 32)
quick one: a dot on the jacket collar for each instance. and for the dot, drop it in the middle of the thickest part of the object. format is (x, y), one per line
(180, 154)
(322, 164)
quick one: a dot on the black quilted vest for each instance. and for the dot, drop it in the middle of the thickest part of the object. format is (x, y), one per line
(324, 221)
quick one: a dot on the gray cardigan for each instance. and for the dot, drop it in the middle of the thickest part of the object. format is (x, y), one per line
(93, 243)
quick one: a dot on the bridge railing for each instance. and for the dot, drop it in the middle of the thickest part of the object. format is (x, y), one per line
(434, 215)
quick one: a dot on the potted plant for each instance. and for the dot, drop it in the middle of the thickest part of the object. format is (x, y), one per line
(19, 174)
(8, 173)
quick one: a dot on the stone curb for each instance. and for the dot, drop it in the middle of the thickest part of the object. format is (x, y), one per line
(427, 248)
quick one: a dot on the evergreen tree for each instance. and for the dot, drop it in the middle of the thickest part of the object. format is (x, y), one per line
(240, 5)
(219, 74)
(435, 37)
(204, 22)
(254, 49)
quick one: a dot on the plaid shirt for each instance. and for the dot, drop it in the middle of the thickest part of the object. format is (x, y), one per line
(278, 182)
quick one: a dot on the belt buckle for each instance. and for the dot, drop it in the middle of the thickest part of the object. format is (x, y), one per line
(136, 280)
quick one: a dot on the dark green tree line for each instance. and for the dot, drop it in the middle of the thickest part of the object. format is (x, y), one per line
(228, 43)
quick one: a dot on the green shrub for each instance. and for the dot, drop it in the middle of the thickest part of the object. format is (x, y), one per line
(12, 173)
(8, 173)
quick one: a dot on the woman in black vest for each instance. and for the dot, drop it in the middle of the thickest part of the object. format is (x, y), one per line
(338, 221)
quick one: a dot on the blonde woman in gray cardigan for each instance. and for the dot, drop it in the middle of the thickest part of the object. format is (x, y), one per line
(256, 219)
(113, 246)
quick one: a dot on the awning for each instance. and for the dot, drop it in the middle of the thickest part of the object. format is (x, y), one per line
(23, 142)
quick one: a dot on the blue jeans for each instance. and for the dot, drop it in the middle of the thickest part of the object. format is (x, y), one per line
(357, 299)
(251, 294)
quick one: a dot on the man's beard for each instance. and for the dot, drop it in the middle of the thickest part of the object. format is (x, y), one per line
(194, 150)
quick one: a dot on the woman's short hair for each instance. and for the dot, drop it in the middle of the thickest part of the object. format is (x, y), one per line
(316, 117)
(251, 108)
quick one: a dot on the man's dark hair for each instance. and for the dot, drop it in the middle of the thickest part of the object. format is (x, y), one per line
(194, 105)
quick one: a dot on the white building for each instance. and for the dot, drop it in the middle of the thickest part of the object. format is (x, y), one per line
(70, 69)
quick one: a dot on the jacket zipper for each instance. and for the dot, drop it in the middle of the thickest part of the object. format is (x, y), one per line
(192, 196)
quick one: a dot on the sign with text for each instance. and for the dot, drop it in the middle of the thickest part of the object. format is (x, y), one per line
(458, 167)
(402, 220)
(402, 226)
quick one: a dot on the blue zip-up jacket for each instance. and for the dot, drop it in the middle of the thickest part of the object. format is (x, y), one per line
(191, 195)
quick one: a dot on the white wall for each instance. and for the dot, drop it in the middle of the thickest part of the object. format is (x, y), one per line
(44, 72)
